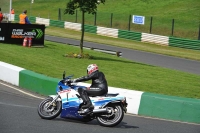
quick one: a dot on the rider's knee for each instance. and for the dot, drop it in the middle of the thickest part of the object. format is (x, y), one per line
(80, 90)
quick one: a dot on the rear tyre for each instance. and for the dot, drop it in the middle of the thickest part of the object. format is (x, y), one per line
(52, 111)
(113, 118)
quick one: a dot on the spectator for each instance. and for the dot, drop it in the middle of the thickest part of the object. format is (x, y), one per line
(23, 18)
(12, 11)
(1, 16)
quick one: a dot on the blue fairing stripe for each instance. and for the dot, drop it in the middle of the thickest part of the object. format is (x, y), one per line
(69, 99)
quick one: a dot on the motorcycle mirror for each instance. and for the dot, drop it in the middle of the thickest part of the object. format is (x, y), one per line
(64, 75)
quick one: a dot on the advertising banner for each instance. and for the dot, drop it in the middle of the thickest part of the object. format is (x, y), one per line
(14, 33)
(2, 32)
(138, 19)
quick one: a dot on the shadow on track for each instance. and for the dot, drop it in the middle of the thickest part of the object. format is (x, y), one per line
(122, 125)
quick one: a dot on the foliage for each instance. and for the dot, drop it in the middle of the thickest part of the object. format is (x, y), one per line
(89, 6)
(78, 55)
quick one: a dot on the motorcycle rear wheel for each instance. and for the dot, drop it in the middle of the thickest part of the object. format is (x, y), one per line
(49, 113)
(113, 119)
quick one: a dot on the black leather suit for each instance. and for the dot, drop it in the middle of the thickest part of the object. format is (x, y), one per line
(99, 84)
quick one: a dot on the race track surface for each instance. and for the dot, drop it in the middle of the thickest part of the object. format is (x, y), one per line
(170, 62)
(18, 114)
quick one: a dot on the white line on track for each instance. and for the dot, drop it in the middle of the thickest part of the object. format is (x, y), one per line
(15, 105)
(21, 91)
(125, 114)
(162, 119)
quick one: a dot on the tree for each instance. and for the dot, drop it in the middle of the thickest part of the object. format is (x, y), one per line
(85, 6)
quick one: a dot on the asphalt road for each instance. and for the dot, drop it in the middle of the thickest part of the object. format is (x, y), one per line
(18, 114)
(170, 62)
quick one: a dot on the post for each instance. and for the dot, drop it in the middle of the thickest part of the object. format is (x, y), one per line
(129, 23)
(95, 18)
(151, 24)
(30, 9)
(199, 33)
(59, 14)
(111, 17)
(32, 1)
(172, 27)
(76, 16)
(10, 10)
(10, 6)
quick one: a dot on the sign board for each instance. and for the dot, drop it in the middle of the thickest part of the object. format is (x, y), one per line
(14, 33)
(138, 19)
(2, 32)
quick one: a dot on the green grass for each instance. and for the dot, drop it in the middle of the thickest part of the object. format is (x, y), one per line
(119, 72)
(136, 76)
(185, 13)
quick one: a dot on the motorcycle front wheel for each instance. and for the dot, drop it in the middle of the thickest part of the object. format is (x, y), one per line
(113, 118)
(52, 111)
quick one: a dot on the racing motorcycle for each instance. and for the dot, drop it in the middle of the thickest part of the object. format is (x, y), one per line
(108, 109)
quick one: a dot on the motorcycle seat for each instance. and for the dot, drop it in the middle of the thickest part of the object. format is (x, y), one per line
(111, 94)
(108, 95)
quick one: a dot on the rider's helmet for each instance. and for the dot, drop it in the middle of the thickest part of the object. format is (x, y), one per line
(92, 68)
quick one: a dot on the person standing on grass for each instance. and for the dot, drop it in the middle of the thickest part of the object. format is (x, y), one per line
(1, 16)
(12, 11)
(23, 19)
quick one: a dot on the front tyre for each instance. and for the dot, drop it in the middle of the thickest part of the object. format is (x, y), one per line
(52, 111)
(113, 118)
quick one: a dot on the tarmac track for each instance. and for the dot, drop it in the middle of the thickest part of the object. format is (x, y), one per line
(18, 114)
(180, 64)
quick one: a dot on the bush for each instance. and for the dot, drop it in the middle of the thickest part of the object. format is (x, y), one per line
(78, 55)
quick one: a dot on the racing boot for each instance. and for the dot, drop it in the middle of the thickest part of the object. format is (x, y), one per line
(87, 101)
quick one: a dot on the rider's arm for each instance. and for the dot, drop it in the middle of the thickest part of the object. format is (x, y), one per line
(85, 78)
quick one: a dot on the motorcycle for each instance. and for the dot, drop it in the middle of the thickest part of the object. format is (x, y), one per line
(108, 109)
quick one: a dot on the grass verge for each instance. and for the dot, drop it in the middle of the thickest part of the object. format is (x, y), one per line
(119, 72)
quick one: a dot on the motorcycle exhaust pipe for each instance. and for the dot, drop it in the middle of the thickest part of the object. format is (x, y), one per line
(104, 110)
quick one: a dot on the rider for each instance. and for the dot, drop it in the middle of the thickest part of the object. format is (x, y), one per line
(98, 87)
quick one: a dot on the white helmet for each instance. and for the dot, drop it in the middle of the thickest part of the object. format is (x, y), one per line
(92, 68)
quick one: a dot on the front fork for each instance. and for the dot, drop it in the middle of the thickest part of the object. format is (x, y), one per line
(54, 99)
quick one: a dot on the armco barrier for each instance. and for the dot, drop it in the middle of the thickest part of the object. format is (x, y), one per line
(16, 18)
(170, 107)
(129, 35)
(57, 23)
(73, 26)
(146, 104)
(44, 21)
(107, 32)
(184, 43)
(156, 39)
(32, 19)
(90, 29)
